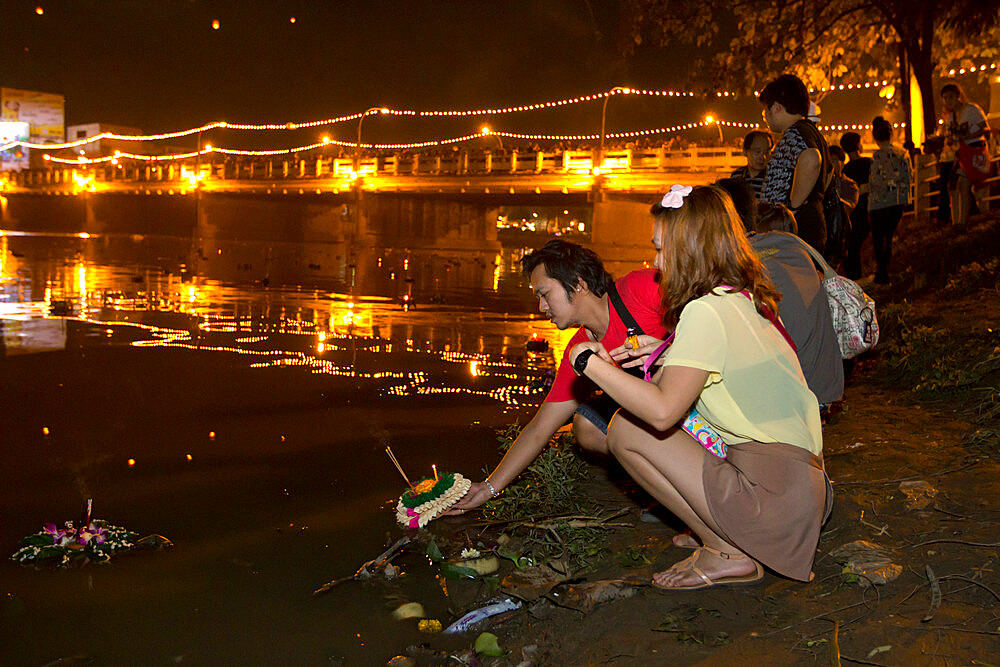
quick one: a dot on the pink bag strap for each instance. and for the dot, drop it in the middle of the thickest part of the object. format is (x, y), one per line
(768, 313)
(651, 359)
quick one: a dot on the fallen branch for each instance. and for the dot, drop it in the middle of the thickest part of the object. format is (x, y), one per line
(906, 479)
(835, 646)
(971, 581)
(811, 618)
(576, 523)
(944, 511)
(369, 568)
(968, 544)
(945, 627)
(861, 662)
(555, 519)
(935, 594)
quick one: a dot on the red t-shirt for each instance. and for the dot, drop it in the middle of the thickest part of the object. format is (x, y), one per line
(640, 292)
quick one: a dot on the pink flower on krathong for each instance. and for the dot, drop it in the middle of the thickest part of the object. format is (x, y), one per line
(92, 533)
(59, 537)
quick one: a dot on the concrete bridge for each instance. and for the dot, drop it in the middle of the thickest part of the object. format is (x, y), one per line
(443, 198)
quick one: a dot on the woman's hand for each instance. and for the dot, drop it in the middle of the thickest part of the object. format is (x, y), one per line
(626, 356)
(477, 494)
(588, 345)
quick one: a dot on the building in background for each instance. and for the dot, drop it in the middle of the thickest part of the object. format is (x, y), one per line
(45, 116)
(101, 147)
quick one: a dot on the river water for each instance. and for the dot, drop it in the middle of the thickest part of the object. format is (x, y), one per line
(237, 398)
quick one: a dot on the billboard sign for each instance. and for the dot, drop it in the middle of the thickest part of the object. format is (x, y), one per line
(14, 158)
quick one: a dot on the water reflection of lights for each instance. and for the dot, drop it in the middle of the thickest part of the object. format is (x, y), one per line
(515, 392)
(179, 311)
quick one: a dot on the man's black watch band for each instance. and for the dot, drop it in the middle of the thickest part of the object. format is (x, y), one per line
(580, 363)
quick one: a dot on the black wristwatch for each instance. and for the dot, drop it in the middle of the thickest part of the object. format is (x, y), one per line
(580, 363)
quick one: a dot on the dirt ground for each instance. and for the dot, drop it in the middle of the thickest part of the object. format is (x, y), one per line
(943, 534)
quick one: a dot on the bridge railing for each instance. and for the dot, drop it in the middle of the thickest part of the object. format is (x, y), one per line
(427, 164)
(928, 190)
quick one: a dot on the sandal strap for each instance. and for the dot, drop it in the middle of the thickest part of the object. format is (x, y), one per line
(704, 577)
(723, 554)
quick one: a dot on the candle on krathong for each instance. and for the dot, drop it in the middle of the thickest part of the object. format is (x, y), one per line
(90, 507)
(435, 469)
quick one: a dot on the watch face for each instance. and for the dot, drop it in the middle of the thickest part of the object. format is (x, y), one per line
(580, 363)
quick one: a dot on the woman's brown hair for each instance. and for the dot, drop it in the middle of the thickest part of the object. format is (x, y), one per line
(704, 245)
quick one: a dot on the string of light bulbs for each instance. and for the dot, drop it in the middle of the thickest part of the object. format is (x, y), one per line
(607, 135)
(432, 142)
(292, 125)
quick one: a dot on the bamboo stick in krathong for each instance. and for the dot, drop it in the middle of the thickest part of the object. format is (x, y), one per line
(388, 450)
(435, 469)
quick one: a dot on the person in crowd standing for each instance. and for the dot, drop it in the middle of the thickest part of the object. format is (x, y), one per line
(757, 147)
(803, 307)
(798, 171)
(857, 169)
(967, 130)
(574, 290)
(847, 187)
(839, 200)
(889, 194)
(763, 503)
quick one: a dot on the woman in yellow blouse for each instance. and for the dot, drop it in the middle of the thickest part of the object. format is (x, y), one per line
(732, 362)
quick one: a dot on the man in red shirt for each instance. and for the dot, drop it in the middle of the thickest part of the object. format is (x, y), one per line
(573, 290)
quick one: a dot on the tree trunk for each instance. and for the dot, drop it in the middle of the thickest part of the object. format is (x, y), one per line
(922, 64)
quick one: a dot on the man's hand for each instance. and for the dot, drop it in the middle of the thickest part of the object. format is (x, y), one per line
(477, 494)
(626, 356)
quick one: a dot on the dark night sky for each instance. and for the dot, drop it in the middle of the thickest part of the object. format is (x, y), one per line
(160, 66)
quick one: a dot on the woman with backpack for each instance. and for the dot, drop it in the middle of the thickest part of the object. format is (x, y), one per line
(889, 194)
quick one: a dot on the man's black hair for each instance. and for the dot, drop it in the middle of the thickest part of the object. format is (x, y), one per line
(753, 134)
(789, 91)
(953, 88)
(838, 152)
(568, 263)
(742, 195)
(850, 141)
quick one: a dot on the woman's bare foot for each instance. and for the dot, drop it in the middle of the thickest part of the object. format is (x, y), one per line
(685, 540)
(736, 568)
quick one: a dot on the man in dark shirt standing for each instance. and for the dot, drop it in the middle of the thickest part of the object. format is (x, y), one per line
(859, 169)
(798, 171)
(757, 147)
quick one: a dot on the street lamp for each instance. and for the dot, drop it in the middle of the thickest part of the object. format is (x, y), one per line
(486, 130)
(709, 119)
(604, 112)
(357, 150)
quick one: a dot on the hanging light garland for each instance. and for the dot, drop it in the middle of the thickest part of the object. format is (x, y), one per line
(608, 135)
(291, 125)
(433, 142)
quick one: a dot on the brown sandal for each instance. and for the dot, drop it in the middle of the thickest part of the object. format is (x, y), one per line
(689, 563)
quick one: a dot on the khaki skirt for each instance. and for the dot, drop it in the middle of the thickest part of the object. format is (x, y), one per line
(770, 500)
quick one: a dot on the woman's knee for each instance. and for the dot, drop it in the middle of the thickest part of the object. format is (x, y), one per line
(588, 435)
(621, 434)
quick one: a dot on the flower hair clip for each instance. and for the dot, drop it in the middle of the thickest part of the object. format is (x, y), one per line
(675, 198)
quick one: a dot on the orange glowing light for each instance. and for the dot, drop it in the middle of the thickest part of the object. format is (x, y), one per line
(131, 462)
(291, 19)
(189, 457)
(45, 430)
(211, 435)
(39, 11)
(215, 24)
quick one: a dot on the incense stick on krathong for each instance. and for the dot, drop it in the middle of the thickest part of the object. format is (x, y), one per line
(388, 450)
